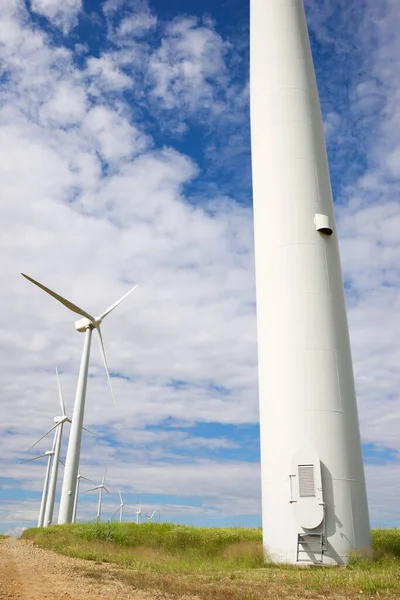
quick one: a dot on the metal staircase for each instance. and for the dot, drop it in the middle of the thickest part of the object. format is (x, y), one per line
(312, 545)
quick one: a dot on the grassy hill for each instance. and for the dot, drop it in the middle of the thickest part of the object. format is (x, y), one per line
(221, 564)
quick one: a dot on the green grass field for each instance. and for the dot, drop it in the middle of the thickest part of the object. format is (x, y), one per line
(221, 564)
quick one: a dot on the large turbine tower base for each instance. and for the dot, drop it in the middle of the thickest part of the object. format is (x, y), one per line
(68, 491)
(313, 487)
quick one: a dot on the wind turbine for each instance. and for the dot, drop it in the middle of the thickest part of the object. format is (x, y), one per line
(49, 454)
(121, 508)
(138, 514)
(150, 517)
(78, 479)
(48, 502)
(100, 487)
(58, 428)
(86, 326)
(48, 516)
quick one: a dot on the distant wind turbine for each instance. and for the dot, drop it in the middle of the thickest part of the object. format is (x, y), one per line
(150, 517)
(86, 326)
(48, 502)
(121, 508)
(79, 477)
(138, 514)
(100, 487)
(48, 516)
(58, 428)
(49, 454)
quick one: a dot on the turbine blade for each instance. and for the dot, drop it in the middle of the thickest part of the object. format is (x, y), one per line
(30, 459)
(64, 301)
(62, 462)
(104, 488)
(92, 432)
(92, 489)
(43, 436)
(110, 308)
(86, 478)
(103, 354)
(116, 512)
(60, 395)
(120, 496)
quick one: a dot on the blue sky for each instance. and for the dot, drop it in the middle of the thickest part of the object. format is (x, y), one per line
(125, 126)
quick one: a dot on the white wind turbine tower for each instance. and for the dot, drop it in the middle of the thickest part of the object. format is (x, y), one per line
(100, 487)
(86, 326)
(79, 477)
(314, 502)
(49, 454)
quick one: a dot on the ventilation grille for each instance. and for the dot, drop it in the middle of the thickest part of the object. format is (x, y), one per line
(306, 481)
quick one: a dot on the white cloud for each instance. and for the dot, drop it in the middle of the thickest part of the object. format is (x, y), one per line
(106, 74)
(331, 123)
(61, 13)
(67, 106)
(188, 69)
(137, 24)
(113, 135)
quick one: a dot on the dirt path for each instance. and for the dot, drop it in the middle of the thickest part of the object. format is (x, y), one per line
(31, 573)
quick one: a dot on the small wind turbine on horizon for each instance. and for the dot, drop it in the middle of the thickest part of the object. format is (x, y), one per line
(86, 326)
(121, 508)
(78, 479)
(100, 487)
(150, 517)
(138, 514)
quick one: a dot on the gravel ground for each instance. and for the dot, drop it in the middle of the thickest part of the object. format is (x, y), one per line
(31, 573)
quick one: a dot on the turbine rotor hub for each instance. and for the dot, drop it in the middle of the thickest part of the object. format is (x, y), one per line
(83, 324)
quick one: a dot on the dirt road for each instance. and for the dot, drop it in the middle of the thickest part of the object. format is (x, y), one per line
(31, 573)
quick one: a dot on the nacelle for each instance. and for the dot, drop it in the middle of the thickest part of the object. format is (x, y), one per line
(82, 324)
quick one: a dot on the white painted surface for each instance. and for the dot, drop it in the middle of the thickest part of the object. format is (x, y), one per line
(48, 515)
(306, 384)
(68, 492)
(45, 490)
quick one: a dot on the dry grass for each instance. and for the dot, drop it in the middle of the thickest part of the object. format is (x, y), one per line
(221, 564)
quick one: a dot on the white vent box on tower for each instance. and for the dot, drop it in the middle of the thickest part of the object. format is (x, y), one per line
(322, 224)
(306, 489)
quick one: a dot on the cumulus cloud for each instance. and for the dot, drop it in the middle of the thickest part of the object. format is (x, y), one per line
(188, 68)
(61, 13)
